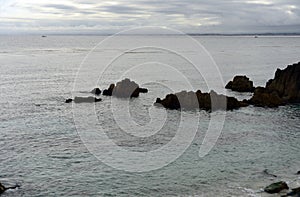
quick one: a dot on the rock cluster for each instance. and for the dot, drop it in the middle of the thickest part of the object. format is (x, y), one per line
(124, 89)
(240, 84)
(198, 100)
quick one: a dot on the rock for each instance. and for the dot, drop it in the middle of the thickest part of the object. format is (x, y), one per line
(276, 187)
(86, 99)
(143, 90)
(262, 97)
(283, 89)
(295, 192)
(124, 89)
(96, 91)
(298, 172)
(286, 83)
(2, 188)
(109, 91)
(69, 101)
(198, 100)
(240, 84)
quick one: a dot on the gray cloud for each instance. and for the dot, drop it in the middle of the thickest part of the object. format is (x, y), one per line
(193, 16)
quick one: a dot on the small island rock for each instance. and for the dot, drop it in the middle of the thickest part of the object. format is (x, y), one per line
(240, 84)
(124, 89)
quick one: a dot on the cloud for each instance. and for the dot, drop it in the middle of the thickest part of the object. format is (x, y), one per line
(193, 16)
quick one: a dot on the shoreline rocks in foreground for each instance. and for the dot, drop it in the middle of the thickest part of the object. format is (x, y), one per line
(283, 89)
(198, 100)
(124, 89)
(240, 84)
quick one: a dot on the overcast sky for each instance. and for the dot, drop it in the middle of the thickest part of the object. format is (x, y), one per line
(189, 16)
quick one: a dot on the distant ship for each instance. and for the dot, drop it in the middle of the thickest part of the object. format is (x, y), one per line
(43, 36)
(256, 36)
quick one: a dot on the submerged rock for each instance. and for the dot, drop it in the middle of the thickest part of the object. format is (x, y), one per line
(124, 89)
(240, 84)
(276, 187)
(198, 100)
(283, 89)
(96, 91)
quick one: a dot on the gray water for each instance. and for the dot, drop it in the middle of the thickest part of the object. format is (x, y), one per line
(41, 150)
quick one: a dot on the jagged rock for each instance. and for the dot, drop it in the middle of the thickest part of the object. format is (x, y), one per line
(262, 97)
(240, 84)
(86, 99)
(96, 91)
(69, 101)
(287, 83)
(124, 89)
(198, 100)
(276, 187)
(283, 89)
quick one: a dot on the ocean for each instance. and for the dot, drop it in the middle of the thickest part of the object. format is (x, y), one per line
(52, 148)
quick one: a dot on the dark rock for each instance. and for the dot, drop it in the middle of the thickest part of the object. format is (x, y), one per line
(263, 97)
(286, 83)
(124, 89)
(2, 188)
(198, 100)
(143, 90)
(241, 84)
(69, 101)
(298, 172)
(295, 192)
(283, 89)
(96, 91)
(86, 99)
(276, 187)
(109, 91)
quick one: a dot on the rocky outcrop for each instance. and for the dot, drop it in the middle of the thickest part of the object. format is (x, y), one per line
(286, 83)
(198, 100)
(89, 99)
(96, 91)
(240, 84)
(283, 89)
(124, 89)
(276, 187)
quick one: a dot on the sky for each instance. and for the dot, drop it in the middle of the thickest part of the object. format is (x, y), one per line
(188, 16)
